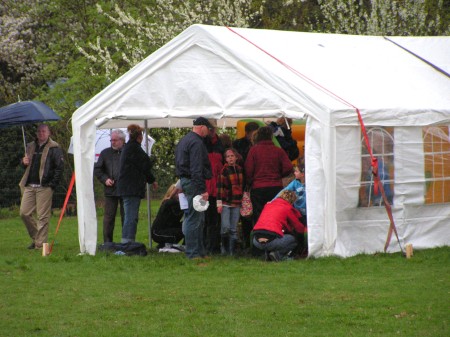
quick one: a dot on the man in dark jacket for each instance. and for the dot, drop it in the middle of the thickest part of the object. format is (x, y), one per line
(135, 172)
(193, 168)
(44, 164)
(107, 169)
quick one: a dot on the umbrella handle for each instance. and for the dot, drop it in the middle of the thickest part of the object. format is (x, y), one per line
(24, 141)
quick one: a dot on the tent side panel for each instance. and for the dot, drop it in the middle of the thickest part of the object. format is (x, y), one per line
(315, 188)
(84, 135)
(427, 226)
(362, 228)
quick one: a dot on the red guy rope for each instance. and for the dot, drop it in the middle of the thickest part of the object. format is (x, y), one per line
(63, 210)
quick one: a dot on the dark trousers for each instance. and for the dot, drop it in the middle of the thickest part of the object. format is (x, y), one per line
(109, 218)
(260, 197)
(247, 226)
(167, 235)
(212, 228)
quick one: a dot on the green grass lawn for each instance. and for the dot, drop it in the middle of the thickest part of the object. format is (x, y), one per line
(168, 295)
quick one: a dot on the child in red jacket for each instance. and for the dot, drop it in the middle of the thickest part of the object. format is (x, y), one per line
(278, 227)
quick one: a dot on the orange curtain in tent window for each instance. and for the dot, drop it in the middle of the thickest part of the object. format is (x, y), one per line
(298, 133)
(436, 144)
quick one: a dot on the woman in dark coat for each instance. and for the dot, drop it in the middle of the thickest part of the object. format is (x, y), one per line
(167, 226)
(135, 172)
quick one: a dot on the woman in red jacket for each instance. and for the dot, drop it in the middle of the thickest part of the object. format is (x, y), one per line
(278, 227)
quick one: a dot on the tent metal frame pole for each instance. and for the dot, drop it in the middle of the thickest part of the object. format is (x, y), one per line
(149, 206)
(24, 141)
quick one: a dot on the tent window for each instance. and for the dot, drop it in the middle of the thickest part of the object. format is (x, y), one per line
(382, 143)
(436, 147)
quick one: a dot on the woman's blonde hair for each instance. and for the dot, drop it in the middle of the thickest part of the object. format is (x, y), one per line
(170, 192)
(289, 196)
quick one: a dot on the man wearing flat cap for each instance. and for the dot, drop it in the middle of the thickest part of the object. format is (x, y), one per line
(193, 168)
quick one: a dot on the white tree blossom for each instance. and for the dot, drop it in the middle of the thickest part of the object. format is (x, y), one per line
(17, 53)
(136, 37)
(380, 17)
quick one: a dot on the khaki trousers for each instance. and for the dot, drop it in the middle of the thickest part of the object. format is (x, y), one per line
(36, 200)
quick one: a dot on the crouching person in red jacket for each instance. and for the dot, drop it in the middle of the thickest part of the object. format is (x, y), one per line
(278, 227)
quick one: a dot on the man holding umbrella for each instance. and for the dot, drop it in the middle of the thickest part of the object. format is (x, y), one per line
(44, 164)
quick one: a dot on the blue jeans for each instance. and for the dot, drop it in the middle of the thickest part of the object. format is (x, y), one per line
(192, 223)
(230, 218)
(283, 245)
(131, 214)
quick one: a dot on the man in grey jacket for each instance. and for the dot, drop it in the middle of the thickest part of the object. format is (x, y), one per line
(44, 164)
(107, 169)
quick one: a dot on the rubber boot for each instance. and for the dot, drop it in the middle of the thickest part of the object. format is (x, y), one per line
(232, 246)
(224, 244)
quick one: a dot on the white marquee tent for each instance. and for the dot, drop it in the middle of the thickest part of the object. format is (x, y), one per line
(400, 85)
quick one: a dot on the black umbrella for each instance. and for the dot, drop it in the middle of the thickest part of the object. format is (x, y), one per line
(26, 112)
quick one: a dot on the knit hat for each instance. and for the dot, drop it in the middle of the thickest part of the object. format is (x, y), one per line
(202, 121)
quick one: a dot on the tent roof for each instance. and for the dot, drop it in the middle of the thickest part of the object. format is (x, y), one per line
(221, 72)
(433, 49)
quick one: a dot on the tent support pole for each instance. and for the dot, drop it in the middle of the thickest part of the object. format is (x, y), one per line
(149, 207)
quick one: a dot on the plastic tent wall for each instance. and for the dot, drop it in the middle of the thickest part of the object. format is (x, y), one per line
(229, 73)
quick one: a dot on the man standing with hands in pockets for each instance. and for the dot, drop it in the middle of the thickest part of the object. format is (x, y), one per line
(193, 168)
(44, 164)
(107, 169)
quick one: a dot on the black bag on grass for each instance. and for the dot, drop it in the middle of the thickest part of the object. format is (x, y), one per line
(129, 248)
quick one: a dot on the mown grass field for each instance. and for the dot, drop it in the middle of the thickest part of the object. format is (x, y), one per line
(65, 294)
